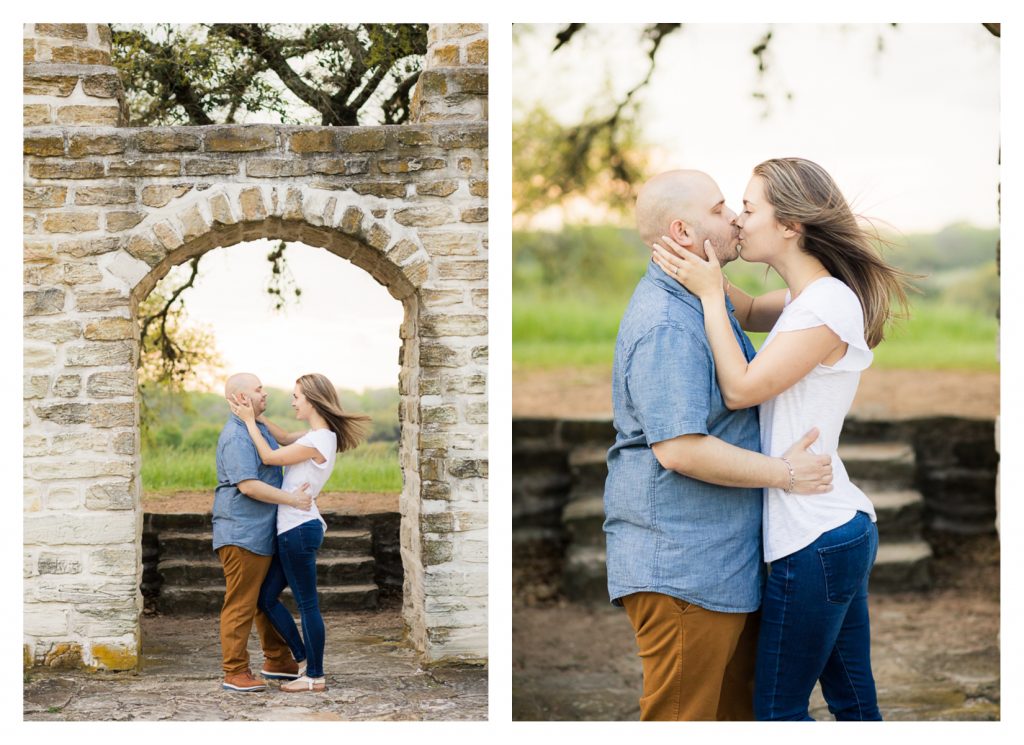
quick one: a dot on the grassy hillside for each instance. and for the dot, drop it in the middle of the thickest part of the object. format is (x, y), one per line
(571, 288)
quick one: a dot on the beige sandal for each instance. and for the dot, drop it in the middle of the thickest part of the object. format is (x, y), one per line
(305, 685)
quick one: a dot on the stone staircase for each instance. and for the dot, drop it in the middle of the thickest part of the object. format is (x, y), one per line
(181, 574)
(885, 470)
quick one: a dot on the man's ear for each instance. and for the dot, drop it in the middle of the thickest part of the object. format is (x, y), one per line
(682, 233)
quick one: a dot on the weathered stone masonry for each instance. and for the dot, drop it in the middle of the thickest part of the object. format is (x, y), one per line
(110, 209)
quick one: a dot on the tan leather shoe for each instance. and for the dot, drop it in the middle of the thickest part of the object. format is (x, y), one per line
(243, 682)
(289, 670)
(305, 685)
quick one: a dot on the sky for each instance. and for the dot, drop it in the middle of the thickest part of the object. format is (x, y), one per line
(344, 325)
(911, 134)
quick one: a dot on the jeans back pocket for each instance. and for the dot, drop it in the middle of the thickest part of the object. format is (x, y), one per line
(846, 566)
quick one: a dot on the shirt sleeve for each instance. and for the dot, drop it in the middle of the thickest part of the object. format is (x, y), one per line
(325, 442)
(832, 304)
(241, 461)
(668, 379)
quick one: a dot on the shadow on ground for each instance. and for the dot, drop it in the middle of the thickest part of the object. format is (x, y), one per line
(372, 674)
(935, 654)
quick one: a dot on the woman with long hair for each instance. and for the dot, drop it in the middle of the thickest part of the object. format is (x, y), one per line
(821, 547)
(308, 457)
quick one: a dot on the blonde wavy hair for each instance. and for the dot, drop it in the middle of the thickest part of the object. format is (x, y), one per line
(350, 428)
(807, 200)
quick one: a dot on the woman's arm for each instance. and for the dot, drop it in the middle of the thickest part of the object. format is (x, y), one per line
(285, 456)
(789, 357)
(755, 313)
(283, 436)
(264, 492)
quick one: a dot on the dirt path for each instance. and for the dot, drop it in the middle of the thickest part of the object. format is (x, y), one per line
(883, 394)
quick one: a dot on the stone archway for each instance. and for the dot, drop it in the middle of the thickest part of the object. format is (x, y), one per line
(109, 210)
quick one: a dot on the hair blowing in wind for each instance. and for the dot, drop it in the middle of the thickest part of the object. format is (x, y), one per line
(806, 198)
(350, 428)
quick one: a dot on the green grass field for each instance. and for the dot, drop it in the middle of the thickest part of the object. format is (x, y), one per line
(372, 467)
(553, 332)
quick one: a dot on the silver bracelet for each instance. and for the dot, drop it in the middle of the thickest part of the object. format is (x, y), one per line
(792, 475)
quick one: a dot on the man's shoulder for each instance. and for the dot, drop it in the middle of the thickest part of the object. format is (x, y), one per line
(652, 311)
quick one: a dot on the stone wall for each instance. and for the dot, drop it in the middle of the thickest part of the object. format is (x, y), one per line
(110, 209)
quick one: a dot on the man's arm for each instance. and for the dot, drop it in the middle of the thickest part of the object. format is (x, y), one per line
(709, 459)
(264, 492)
(283, 436)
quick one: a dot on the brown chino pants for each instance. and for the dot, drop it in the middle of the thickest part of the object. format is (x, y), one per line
(243, 574)
(698, 664)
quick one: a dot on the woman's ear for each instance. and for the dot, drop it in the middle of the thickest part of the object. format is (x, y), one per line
(791, 229)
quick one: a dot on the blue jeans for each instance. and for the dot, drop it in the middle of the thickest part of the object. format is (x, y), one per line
(294, 565)
(814, 626)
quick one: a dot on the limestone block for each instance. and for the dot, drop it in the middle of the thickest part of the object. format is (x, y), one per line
(112, 415)
(41, 251)
(124, 444)
(45, 621)
(476, 413)
(110, 384)
(81, 144)
(71, 222)
(252, 205)
(110, 495)
(476, 52)
(478, 187)
(166, 140)
(75, 442)
(32, 497)
(123, 220)
(193, 223)
(80, 529)
(472, 136)
(435, 490)
(464, 270)
(79, 169)
(453, 325)
(34, 445)
(85, 469)
(84, 592)
(117, 562)
(277, 168)
(158, 196)
(79, 247)
(293, 205)
(439, 355)
(211, 167)
(241, 138)
(474, 215)
(46, 146)
(115, 617)
(91, 195)
(43, 302)
(312, 141)
(89, 115)
(36, 356)
(101, 300)
(417, 272)
(480, 298)
(57, 332)
(43, 196)
(45, 273)
(352, 221)
(383, 189)
(80, 56)
(220, 208)
(429, 216)
(167, 234)
(468, 384)
(99, 354)
(438, 415)
(129, 269)
(442, 188)
(81, 273)
(103, 85)
(361, 140)
(67, 386)
(39, 83)
(77, 31)
(145, 167)
(34, 115)
(451, 243)
(467, 468)
(377, 237)
(410, 165)
(62, 498)
(109, 329)
(402, 250)
(64, 562)
(340, 166)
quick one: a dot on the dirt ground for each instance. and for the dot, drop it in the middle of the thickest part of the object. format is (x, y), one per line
(935, 654)
(352, 503)
(883, 394)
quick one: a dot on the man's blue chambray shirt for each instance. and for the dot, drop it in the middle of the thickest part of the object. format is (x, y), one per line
(239, 520)
(666, 532)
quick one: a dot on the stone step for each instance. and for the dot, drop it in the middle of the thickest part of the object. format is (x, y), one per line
(196, 544)
(900, 513)
(584, 522)
(899, 567)
(890, 463)
(588, 467)
(210, 598)
(331, 569)
(184, 522)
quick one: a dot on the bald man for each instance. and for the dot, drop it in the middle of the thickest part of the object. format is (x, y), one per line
(683, 493)
(244, 528)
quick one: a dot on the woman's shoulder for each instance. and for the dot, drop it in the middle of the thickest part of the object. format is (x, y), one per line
(832, 294)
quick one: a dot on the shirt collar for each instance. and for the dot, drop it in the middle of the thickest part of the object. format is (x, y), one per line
(658, 276)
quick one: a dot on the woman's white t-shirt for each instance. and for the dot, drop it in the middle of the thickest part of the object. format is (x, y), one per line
(820, 399)
(326, 442)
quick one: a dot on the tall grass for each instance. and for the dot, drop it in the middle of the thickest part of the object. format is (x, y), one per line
(371, 467)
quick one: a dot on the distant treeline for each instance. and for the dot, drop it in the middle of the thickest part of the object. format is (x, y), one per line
(603, 262)
(193, 421)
